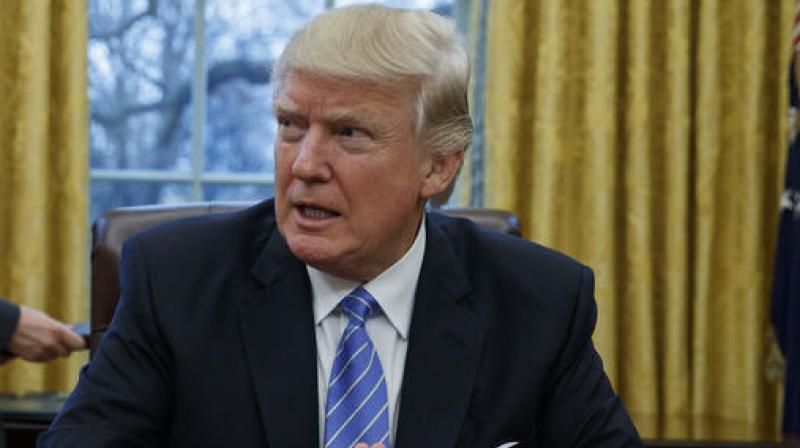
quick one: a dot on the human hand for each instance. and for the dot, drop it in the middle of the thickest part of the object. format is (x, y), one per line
(38, 337)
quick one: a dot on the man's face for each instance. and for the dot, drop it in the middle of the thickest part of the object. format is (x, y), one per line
(351, 183)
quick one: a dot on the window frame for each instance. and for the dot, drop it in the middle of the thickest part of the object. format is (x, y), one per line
(196, 176)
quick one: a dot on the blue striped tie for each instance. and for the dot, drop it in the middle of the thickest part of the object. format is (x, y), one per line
(357, 408)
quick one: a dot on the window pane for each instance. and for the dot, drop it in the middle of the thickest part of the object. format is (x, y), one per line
(238, 192)
(140, 72)
(141, 65)
(243, 39)
(108, 195)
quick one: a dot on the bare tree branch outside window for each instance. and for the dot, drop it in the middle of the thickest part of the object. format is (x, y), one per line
(141, 65)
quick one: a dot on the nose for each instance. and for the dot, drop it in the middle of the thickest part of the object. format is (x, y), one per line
(311, 163)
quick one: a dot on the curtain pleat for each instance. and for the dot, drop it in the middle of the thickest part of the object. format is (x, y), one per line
(647, 140)
(43, 174)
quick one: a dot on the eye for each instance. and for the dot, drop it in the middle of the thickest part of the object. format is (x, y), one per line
(289, 129)
(284, 122)
(349, 131)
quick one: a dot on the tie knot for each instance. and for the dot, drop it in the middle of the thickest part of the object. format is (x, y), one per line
(359, 304)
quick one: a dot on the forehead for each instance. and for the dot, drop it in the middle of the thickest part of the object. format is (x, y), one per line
(308, 94)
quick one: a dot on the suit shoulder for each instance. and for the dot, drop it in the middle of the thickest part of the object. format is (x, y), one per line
(492, 248)
(210, 233)
(210, 223)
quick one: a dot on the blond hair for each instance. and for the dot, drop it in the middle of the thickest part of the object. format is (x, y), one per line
(383, 45)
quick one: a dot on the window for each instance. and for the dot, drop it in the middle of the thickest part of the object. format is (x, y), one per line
(180, 96)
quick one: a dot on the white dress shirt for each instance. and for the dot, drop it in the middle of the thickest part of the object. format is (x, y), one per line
(394, 290)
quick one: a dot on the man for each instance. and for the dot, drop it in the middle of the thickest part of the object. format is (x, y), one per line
(33, 335)
(341, 314)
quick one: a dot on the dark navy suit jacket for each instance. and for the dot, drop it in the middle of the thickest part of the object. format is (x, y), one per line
(213, 344)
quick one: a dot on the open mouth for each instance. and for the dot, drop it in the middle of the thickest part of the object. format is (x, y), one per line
(316, 212)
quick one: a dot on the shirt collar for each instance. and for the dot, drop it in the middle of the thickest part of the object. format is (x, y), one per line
(394, 289)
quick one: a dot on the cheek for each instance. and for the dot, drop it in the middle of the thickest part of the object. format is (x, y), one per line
(280, 154)
(382, 197)
(283, 163)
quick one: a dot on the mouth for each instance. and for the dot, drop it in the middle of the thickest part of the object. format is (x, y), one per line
(315, 212)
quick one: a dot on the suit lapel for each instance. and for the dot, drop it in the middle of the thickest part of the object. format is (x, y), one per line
(443, 352)
(278, 330)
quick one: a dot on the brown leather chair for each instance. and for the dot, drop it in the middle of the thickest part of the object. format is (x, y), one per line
(111, 230)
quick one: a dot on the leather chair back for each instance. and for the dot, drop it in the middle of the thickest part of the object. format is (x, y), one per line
(111, 230)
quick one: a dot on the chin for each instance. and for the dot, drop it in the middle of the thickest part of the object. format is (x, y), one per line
(309, 249)
(321, 254)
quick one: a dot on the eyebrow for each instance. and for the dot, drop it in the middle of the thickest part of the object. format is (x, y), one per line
(284, 107)
(334, 117)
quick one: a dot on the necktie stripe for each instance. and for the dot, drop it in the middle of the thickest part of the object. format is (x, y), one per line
(366, 378)
(364, 403)
(357, 407)
(350, 332)
(353, 314)
(366, 304)
(371, 424)
(354, 384)
(355, 398)
(346, 364)
(352, 416)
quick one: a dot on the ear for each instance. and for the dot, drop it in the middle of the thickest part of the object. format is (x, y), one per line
(441, 171)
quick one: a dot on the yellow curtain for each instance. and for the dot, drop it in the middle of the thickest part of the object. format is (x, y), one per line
(43, 173)
(646, 138)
